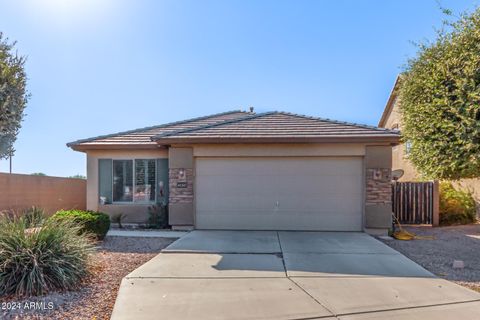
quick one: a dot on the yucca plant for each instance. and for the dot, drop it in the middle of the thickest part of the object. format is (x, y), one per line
(34, 216)
(34, 261)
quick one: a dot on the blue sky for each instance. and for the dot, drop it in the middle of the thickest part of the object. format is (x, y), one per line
(103, 66)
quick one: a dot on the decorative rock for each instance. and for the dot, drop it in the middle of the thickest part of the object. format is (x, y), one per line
(458, 264)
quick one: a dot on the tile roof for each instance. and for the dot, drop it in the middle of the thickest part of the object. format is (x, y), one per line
(143, 136)
(278, 125)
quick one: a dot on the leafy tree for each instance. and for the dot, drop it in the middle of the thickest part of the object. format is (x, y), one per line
(78, 176)
(38, 174)
(440, 102)
(13, 95)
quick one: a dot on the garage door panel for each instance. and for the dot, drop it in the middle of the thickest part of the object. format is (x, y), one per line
(284, 185)
(279, 222)
(302, 166)
(290, 204)
(316, 193)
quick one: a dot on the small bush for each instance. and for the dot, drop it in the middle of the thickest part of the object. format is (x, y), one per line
(34, 261)
(456, 206)
(94, 222)
(34, 216)
(158, 216)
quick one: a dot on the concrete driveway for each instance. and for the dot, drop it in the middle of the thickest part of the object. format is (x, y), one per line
(288, 275)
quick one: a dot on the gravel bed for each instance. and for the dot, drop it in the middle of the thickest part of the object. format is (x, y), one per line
(116, 257)
(449, 244)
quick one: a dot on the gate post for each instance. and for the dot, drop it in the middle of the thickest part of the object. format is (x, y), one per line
(436, 204)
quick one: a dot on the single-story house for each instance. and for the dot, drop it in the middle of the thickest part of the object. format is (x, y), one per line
(242, 170)
(392, 119)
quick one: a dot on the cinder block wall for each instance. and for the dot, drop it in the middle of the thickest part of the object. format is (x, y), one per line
(19, 192)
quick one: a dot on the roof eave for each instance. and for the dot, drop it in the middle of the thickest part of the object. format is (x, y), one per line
(78, 142)
(133, 146)
(389, 139)
(389, 106)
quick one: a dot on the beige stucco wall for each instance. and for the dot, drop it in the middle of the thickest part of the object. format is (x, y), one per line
(182, 200)
(399, 159)
(19, 192)
(134, 213)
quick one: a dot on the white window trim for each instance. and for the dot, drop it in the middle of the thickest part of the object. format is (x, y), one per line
(133, 182)
(407, 149)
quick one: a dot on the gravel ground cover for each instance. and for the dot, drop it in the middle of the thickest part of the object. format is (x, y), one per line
(449, 244)
(116, 257)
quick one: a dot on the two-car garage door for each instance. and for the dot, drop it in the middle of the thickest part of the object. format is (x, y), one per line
(314, 193)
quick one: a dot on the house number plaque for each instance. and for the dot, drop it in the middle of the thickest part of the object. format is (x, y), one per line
(182, 184)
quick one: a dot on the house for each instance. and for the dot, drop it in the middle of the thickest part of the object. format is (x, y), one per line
(392, 119)
(242, 170)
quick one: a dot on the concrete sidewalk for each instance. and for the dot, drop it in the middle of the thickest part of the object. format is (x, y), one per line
(288, 275)
(146, 233)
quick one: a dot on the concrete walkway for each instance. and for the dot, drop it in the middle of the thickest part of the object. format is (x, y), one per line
(288, 275)
(146, 233)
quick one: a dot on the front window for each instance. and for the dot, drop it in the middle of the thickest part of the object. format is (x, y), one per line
(144, 181)
(122, 180)
(134, 180)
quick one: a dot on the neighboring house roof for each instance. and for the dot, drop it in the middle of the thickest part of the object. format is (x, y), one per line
(390, 103)
(142, 137)
(278, 127)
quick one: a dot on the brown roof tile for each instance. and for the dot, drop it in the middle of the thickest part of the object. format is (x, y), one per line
(277, 125)
(143, 136)
(239, 126)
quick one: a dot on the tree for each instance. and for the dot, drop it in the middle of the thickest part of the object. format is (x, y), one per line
(38, 174)
(439, 99)
(78, 176)
(13, 95)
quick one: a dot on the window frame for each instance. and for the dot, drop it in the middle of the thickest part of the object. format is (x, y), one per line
(149, 202)
(133, 202)
(407, 148)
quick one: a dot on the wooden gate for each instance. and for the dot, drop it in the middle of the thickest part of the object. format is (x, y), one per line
(415, 202)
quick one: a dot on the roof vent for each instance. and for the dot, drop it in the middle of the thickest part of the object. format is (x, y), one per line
(251, 109)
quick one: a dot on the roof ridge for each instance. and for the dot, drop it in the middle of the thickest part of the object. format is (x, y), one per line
(69, 144)
(172, 133)
(353, 124)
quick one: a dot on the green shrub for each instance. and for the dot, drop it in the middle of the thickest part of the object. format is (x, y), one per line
(34, 216)
(158, 216)
(94, 222)
(34, 261)
(439, 101)
(456, 206)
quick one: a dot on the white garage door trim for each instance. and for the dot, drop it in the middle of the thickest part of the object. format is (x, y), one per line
(279, 193)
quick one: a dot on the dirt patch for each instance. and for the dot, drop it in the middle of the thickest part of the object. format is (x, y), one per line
(116, 257)
(449, 244)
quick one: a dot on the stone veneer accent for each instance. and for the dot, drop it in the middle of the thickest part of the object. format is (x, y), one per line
(180, 195)
(378, 191)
